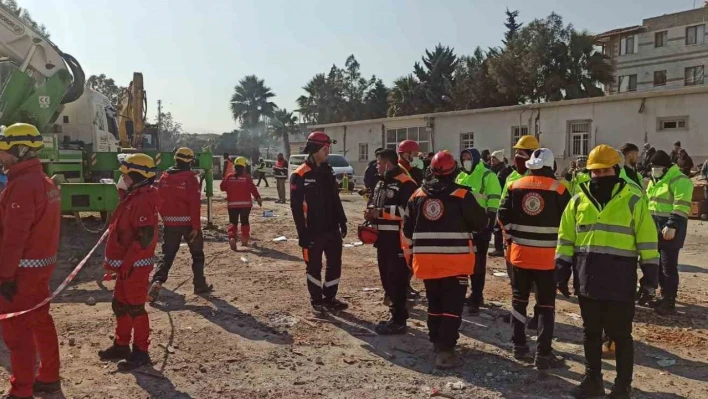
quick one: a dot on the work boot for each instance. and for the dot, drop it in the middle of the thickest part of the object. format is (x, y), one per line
(520, 352)
(318, 309)
(549, 361)
(46, 387)
(446, 359)
(533, 323)
(115, 352)
(335, 304)
(591, 386)
(390, 328)
(232, 244)
(203, 288)
(154, 292)
(608, 349)
(387, 301)
(136, 359)
(620, 391)
(644, 298)
(656, 302)
(496, 254)
(667, 307)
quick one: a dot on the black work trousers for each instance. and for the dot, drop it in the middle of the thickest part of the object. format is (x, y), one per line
(262, 176)
(668, 272)
(242, 214)
(446, 299)
(172, 238)
(498, 239)
(479, 275)
(523, 281)
(280, 185)
(615, 318)
(394, 276)
(329, 244)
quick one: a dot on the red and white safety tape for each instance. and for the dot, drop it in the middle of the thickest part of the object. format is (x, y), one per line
(64, 283)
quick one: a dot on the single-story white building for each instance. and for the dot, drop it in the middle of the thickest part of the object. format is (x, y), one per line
(569, 128)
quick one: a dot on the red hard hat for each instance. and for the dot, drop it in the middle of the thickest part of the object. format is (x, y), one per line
(320, 138)
(408, 146)
(443, 163)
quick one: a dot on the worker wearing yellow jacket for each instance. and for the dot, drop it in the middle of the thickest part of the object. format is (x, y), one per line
(576, 176)
(483, 183)
(669, 194)
(602, 232)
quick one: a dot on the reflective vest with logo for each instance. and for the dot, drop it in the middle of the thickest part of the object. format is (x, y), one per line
(671, 194)
(530, 216)
(602, 243)
(484, 185)
(440, 225)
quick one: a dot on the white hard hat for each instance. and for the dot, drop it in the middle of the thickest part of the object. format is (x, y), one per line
(540, 158)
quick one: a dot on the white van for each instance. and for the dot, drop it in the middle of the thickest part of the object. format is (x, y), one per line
(339, 165)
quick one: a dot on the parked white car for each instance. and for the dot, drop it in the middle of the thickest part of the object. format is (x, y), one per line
(339, 164)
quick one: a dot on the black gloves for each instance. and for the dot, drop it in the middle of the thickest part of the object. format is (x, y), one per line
(8, 289)
(343, 229)
(304, 242)
(492, 221)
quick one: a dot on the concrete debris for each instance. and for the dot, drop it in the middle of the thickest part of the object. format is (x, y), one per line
(357, 243)
(500, 274)
(91, 301)
(370, 289)
(280, 239)
(455, 386)
(244, 259)
(666, 362)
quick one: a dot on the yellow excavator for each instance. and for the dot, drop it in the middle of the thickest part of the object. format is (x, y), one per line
(133, 131)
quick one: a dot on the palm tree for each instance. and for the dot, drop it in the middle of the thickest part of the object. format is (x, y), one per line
(249, 103)
(282, 124)
(405, 97)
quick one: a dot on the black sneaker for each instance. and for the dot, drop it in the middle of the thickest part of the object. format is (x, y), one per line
(115, 352)
(412, 293)
(473, 308)
(549, 361)
(620, 391)
(136, 359)
(318, 308)
(201, 289)
(154, 292)
(390, 328)
(591, 386)
(46, 387)
(496, 254)
(667, 307)
(520, 352)
(656, 302)
(335, 304)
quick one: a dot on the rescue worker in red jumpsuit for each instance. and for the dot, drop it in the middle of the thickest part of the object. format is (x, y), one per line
(239, 188)
(320, 221)
(30, 213)
(408, 151)
(439, 223)
(385, 211)
(130, 255)
(181, 215)
(530, 215)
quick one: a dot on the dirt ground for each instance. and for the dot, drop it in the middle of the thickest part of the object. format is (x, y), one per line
(255, 337)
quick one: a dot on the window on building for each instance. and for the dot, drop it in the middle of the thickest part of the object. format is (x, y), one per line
(660, 38)
(466, 140)
(694, 75)
(659, 78)
(364, 151)
(516, 133)
(695, 34)
(419, 134)
(672, 123)
(629, 45)
(579, 134)
(627, 83)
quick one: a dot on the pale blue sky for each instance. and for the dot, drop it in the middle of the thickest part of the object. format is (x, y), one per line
(192, 53)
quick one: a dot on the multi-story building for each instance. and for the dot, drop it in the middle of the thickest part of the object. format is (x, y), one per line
(665, 52)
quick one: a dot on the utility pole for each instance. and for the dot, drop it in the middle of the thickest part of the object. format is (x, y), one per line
(159, 123)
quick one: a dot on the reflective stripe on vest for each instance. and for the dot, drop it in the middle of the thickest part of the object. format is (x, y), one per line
(387, 227)
(34, 263)
(431, 249)
(116, 263)
(176, 219)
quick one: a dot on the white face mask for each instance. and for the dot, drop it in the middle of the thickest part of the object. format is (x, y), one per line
(657, 172)
(416, 162)
(467, 165)
(122, 185)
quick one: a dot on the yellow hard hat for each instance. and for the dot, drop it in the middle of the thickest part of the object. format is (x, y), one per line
(21, 134)
(184, 154)
(527, 142)
(240, 161)
(139, 163)
(602, 157)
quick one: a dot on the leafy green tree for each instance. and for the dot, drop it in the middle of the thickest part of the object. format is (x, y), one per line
(406, 97)
(512, 26)
(437, 77)
(250, 101)
(376, 101)
(25, 17)
(107, 87)
(282, 125)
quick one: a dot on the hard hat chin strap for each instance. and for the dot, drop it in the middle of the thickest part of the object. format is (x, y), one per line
(22, 152)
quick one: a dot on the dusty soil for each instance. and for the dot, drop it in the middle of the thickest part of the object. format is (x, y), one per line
(256, 338)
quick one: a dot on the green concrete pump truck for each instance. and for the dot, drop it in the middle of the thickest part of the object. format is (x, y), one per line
(45, 87)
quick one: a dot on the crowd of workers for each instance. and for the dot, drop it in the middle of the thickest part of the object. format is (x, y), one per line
(596, 224)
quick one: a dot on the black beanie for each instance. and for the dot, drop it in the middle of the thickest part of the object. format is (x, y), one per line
(661, 158)
(312, 147)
